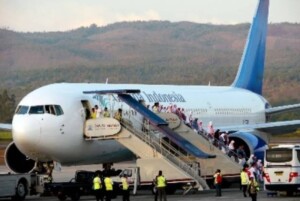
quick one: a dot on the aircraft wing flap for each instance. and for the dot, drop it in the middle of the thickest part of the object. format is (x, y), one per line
(273, 128)
(281, 109)
(7, 127)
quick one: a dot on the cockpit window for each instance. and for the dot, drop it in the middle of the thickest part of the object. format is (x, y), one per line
(22, 109)
(39, 109)
(54, 109)
(58, 110)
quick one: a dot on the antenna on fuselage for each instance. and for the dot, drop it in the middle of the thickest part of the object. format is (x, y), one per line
(106, 82)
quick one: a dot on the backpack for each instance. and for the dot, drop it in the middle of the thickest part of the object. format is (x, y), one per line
(219, 179)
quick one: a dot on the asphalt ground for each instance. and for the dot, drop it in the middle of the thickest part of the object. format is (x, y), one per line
(232, 194)
(227, 195)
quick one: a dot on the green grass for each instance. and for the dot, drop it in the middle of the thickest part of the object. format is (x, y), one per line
(290, 135)
(5, 135)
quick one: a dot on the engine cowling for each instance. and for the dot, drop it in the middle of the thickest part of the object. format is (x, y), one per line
(253, 144)
(16, 161)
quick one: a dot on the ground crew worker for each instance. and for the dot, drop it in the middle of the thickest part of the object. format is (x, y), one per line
(97, 186)
(108, 188)
(218, 182)
(106, 113)
(118, 115)
(244, 180)
(125, 188)
(161, 184)
(253, 188)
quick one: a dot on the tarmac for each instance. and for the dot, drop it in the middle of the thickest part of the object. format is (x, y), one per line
(229, 194)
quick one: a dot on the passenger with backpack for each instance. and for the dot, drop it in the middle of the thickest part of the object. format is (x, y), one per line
(218, 182)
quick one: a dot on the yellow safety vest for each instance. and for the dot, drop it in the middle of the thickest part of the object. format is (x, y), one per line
(108, 184)
(93, 115)
(161, 181)
(97, 183)
(106, 114)
(124, 183)
(244, 178)
(118, 116)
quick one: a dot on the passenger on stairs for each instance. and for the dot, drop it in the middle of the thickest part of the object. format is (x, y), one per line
(231, 149)
(118, 115)
(98, 111)
(195, 125)
(93, 114)
(155, 107)
(210, 132)
(106, 113)
(200, 127)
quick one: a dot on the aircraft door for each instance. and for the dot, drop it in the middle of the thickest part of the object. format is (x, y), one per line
(86, 110)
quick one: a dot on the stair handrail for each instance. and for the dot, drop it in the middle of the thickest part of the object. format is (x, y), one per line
(161, 147)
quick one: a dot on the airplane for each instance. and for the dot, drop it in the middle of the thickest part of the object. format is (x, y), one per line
(48, 123)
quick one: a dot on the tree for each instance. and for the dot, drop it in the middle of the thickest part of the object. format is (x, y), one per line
(7, 106)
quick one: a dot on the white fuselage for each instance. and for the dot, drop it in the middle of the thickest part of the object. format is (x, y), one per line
(60, 138)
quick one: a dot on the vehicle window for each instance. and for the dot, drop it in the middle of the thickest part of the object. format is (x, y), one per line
(127, 172)
(298, 155)
(22, 109)
(39, 109)
(279, 155)
(58, 110)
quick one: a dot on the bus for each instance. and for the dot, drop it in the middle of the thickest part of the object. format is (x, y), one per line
(282, 168)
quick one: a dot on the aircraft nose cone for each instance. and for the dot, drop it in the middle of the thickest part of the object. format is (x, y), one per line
(26, 133)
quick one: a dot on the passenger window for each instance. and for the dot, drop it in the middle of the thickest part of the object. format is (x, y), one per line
(298, 155)
(36, 109)
(22, 109)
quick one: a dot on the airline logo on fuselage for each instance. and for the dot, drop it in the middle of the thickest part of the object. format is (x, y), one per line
(150, 97)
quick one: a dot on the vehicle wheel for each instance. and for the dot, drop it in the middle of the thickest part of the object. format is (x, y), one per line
(75, 196)
(21, 191)
(61, 196)
(154, 190)
(289, 193)
(171, 191)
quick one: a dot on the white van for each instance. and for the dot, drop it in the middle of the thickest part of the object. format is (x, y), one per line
(282, 168)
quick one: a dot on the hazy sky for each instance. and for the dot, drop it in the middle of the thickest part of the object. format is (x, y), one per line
(61, 15)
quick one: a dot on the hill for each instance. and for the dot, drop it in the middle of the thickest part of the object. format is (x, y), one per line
(148, 52)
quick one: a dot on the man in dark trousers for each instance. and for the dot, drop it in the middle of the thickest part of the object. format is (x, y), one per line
(218, 182)
(161, 184)
(125, 188)
(98, 187)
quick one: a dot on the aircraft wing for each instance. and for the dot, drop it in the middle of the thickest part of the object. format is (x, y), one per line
(273, 128)
(5, 127)
(281, 109)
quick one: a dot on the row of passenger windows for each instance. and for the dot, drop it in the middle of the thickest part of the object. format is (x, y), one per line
(40, 109)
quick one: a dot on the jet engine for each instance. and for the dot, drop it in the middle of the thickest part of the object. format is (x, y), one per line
(253, 144)
(16, 161)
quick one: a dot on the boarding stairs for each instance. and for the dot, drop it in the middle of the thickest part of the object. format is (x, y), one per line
(208, 167)
(149, 145)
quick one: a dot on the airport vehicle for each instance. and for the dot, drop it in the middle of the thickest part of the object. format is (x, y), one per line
(18, 186)
(282, 168)
(79, 186)
(143, 174)
(54, 127)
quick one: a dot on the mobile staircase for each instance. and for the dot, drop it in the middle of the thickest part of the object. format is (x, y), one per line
(149, 146)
